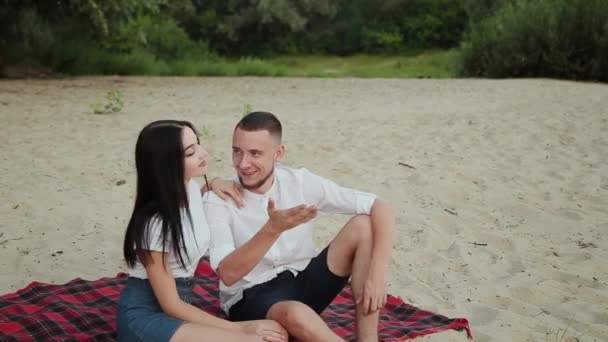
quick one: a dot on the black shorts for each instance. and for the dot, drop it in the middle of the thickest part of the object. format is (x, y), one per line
(316, 286)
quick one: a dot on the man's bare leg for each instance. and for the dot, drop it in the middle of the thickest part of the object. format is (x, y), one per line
(301, 322)
(350, 253)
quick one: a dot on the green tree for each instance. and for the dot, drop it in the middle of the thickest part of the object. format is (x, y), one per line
(237, 27)
(30, 28)
(533, 38)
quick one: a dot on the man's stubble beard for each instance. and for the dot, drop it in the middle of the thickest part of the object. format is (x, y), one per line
(258, 184)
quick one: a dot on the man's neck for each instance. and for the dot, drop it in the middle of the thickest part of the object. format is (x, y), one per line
(262, 189)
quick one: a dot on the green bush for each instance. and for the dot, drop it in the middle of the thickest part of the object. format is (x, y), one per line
(249, 66)
(160, 36)
(434, 24)
(215, 69)
(381, 40)
(97, 61)
(37, 38)
(477, 10)
(540, 38)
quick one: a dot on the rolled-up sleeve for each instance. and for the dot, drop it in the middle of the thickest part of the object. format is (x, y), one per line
(219, 220)
(333, 198)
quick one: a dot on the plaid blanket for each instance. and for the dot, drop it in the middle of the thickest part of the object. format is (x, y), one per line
(84, 310)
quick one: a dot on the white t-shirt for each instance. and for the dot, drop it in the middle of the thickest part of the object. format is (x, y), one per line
(231, 227)
(196, 238)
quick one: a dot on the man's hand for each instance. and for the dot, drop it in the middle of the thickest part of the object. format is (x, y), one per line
(374, 296)
(281, 220)
(226, 189)
(268, 330)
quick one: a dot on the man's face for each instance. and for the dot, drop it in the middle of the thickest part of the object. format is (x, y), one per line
(254, 155)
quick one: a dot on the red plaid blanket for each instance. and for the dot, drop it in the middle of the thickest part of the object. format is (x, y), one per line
(84, 310)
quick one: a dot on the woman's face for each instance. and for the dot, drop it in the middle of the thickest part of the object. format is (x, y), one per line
(195, 156)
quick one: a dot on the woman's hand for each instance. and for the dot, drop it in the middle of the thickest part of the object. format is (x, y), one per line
(268, 330)
(226, 189)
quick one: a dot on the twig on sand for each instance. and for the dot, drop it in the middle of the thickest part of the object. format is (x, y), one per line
(478, 243)
(7, 240)
(542, 311)
(582, 244)
(451, 212)
(406, 165)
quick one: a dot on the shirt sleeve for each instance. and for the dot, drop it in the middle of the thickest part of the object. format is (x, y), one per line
(220, 221)
(155, 238)
(333, 198)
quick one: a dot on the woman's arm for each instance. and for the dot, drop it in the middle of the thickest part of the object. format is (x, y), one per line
(166, 293)
(226, 189)
(165, 290)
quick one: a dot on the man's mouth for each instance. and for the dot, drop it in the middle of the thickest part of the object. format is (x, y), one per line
(247, 173)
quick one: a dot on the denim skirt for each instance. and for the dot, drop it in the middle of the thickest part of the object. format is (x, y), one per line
(140, 317)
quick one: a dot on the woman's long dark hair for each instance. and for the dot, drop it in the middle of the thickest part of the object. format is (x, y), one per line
(161, 191)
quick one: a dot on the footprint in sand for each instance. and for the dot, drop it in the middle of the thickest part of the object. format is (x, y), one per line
(453, 252)
(516, 267)
(481, 337)
(600, 318)
(570, 214)
(483, 315)
(604, 183)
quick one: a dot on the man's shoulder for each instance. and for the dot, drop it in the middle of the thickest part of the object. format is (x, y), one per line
(284, 171)
(301, 176)
(210, 198)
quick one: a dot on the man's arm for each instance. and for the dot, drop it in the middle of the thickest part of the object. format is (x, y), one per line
(383, 227)
(374, 289)
(242, 260)
(231, 263)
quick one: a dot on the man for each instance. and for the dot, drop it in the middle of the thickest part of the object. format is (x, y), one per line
(264, 251)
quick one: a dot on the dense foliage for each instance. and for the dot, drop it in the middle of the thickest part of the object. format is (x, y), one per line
(498, 38)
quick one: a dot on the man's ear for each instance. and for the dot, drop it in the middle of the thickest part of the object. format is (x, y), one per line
(280, 152)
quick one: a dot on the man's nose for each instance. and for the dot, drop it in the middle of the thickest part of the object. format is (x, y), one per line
(243, 162)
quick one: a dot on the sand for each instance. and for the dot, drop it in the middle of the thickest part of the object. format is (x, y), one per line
(501, 195)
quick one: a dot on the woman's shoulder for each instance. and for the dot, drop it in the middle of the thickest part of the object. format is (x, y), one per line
(193, 184)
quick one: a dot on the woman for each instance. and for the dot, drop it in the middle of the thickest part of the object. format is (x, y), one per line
(164, 241)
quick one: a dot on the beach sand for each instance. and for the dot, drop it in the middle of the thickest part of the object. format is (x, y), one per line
(500, 187)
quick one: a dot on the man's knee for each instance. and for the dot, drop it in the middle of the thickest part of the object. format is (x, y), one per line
(294, 316)
(357, 231)
(362, 225)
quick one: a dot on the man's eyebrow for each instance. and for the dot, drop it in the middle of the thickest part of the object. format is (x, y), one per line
(192, 145)
(250, 150)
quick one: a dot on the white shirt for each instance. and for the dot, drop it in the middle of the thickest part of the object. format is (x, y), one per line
(196, 238)
(231, 227)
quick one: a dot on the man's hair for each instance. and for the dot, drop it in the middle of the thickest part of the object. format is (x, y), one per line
(261, 121)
